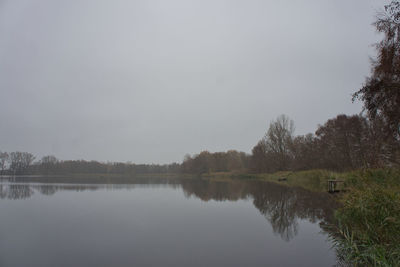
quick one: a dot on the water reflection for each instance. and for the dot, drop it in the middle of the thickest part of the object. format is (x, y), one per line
(282, 206)
(15, 191)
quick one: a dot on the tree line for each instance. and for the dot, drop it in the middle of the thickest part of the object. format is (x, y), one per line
(206, 162)
(342, 143)
(17, 163)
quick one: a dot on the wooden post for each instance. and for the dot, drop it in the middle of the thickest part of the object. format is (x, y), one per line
(332, 185)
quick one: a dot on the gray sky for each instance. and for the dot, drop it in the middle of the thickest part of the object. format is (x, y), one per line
(149, 81)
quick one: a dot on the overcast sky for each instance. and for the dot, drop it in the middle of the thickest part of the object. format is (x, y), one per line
(149, 81)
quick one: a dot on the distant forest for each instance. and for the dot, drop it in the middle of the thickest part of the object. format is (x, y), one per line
(18, 163)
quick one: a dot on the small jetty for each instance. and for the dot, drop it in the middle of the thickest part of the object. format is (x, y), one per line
(332, 185)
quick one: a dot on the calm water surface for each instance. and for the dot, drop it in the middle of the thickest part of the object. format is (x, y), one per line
(161, 222)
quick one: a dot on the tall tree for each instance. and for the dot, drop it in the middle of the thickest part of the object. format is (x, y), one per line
(273, 151)
(278, 140)
(381, 91)
(258, 160)
(305, 153)
(4, 157)
(20, 161)
(341, 141)
(47, 163)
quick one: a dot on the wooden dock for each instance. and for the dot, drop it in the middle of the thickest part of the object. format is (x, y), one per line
(332, 185)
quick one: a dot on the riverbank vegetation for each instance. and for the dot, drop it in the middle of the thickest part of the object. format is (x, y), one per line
(368, 223)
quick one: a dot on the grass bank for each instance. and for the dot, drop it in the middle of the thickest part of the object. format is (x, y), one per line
(368, 223)
(313, 180)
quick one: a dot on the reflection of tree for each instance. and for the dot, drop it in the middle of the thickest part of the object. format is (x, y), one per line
(15, 191)
(220, 191)
(282, 206)
(278, 207)
(17, 187)
(47, 190)
(23, 191)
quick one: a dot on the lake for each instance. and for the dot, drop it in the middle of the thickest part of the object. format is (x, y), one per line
(72, 221)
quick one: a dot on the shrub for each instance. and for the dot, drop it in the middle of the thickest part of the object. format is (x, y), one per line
(368, 231)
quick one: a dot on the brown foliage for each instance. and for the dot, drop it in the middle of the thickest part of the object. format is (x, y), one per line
(381, 91)
(342, 143)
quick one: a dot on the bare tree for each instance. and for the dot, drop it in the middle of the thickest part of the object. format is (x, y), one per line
(278, 140)
(48, 163)
(4, 157)
(49, 160)
(304, 152)
(20, 161)
(280, 134)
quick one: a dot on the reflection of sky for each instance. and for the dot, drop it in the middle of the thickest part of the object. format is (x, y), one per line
(155, 225)
(282, 206)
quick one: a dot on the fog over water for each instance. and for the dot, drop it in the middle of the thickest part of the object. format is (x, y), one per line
(149, 81)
